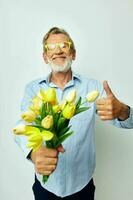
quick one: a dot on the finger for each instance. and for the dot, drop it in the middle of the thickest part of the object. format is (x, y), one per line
(101, 101)
(49, 167)
(104, 113)
(50, 161)
(51, 153)
(106, 107)
(42, 171)
(61, 149)
(106, 117)
(107, 89)
(46, 173)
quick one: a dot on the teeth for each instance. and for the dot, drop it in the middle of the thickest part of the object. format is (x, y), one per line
(60, 57)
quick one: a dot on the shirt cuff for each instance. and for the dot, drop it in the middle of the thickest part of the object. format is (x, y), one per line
(128, 123)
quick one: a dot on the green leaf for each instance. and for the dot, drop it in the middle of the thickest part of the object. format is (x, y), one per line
(63, 138)
(78, 103)
(56, 118)
(61, 123)
(49, 144)
(64, 130)
(38, 121)
(43, 110)
(50, 110)
(79, 110)
(40, 127)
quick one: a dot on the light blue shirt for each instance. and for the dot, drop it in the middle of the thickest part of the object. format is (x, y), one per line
(76, 166)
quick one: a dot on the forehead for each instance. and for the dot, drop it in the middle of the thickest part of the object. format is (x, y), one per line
(57, 38)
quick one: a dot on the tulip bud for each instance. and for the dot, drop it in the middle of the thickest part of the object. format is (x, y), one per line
(28, 116)
(47, 135)
(19, 130)
(71, 96)
(92, 96)
(62, 105)
(37, 103)
(35, 138)
(50, 95)
(56, 108)
(39, 94)
(55, 102)
(47, 122)
(69, 111)
(42, 95)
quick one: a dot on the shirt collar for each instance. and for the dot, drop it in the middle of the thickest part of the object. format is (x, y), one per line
(47, 78)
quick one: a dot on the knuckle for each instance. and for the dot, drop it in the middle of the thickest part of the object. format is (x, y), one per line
(47, 172)
(53, 167)
(38, 170)
(55, 160)
(55, 153)
(110, 107)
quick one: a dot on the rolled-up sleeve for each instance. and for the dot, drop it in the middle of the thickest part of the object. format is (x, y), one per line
(128, 123)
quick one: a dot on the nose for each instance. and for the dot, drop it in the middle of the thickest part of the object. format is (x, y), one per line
(58, 49)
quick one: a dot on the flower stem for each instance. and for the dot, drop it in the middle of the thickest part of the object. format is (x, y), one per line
(45, 178)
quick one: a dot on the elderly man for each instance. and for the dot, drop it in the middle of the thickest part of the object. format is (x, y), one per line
(71, 165)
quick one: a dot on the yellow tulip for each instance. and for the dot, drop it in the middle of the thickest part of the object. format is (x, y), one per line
(36, 139)
(22, 129)
(19, 129)
(37, 103)
(42, 94)
(71, 96)
(39, 94)
(55, 102)
(62, 105)
(34, 145)
(36, 111)
(30, 130)
(92, 96)
(28, 116)
(56, 108)
(47, 122)
(69, 111)
(47, 135)
(50, 95)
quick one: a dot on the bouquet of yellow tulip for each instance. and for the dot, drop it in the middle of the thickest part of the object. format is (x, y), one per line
(48, 121)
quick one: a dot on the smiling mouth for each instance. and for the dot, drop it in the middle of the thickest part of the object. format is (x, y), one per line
(62, 57)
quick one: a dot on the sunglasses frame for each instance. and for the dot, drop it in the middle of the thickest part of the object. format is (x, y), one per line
(57, 44)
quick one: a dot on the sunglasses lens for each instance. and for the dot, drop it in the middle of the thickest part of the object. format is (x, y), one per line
(61, 45)
(51, 46)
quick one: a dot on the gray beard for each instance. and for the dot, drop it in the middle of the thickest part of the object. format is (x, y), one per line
(57, 68)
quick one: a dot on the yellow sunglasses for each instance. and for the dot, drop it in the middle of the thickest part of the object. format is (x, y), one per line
(62, 45)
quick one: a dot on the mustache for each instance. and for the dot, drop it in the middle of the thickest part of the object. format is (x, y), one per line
(61, 55)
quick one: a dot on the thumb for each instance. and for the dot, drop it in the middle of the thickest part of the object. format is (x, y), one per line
(107, 89)
(61, 149)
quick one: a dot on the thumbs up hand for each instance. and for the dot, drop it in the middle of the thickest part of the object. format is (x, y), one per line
(110, 107)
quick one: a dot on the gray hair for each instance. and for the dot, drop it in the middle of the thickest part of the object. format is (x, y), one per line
(56, 30)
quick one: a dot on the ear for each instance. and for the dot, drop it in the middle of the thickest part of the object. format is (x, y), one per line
(45, 58)
(73, 54)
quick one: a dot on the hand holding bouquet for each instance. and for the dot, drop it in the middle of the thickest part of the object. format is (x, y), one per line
(47, 121)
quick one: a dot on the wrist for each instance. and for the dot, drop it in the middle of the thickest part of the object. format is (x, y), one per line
(124, 112)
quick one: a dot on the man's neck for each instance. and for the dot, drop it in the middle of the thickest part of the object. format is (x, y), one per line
(61, 78)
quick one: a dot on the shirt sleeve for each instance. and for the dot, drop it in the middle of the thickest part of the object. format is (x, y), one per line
(127, 124)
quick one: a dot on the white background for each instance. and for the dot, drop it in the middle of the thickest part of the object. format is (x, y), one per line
(102, 31)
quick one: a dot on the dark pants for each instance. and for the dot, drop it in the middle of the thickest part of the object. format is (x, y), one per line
(87, 193)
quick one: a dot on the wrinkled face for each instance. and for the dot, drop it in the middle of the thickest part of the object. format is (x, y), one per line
(58, 50)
